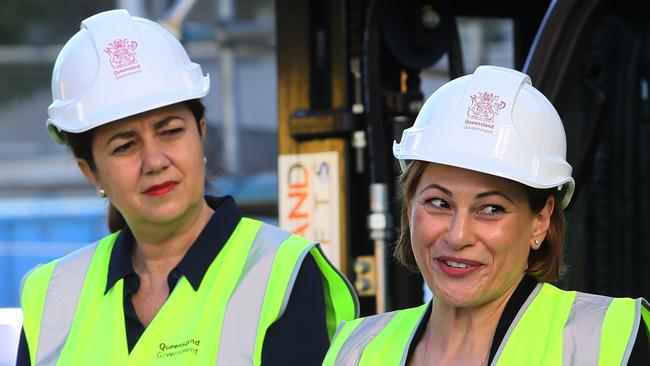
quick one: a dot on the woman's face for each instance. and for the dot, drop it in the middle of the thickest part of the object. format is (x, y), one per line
(151, 164)
(471, 234)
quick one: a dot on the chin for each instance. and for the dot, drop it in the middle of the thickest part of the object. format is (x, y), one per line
(457, 300)
(166, 213)
(458, 296)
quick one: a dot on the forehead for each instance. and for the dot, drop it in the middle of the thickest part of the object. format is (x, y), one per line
(457, 179)
(152, 116)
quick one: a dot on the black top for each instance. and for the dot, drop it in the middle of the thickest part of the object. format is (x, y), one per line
(303, 322)
(640, 353)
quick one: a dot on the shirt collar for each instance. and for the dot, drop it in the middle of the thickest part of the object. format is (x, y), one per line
(119, 265)
(198, 258)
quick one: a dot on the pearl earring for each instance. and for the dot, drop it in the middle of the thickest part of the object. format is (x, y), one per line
(101, 193)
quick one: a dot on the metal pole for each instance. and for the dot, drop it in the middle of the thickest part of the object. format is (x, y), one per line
(378, 223)
(174, 17)
(231, 135)
(134, 7)
(379, 219)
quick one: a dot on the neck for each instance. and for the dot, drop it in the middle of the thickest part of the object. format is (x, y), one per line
(160, 247)
(463, 335)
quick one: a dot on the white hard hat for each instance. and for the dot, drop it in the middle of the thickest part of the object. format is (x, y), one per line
(495, 122)
(117, 66)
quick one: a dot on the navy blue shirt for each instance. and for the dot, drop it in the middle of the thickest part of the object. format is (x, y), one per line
(303, 321)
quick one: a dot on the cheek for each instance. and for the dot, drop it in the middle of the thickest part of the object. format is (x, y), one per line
(187, 156)
(193, 170)
(193, 155)
(509, 242)
(116, 176)
(425, 231)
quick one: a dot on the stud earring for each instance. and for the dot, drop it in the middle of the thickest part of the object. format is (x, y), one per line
(101, 193)
(537, 243)
(205, 160)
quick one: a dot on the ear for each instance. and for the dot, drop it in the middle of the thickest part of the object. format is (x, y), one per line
(90, 174)
(542, 223)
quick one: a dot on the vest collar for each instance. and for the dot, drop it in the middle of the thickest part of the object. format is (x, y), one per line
(198, 258)
(516, 301)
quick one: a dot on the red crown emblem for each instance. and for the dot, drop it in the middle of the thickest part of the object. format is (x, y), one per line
(485, 106)
(121, 53)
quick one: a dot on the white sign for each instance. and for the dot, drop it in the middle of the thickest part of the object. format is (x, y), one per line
(309, 199)
(11, 322)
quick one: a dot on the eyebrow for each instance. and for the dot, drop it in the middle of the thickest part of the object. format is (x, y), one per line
(493, 193)
(121, 135)
(130, 133)
(165, 121)
(478, 196)
(437, 186)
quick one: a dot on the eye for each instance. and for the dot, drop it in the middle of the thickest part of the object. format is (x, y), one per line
(173, 131)
(438, 202)
(492, 209)
(123, 148)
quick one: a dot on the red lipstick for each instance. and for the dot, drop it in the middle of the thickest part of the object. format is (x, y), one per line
(160, 189)
(457, 267)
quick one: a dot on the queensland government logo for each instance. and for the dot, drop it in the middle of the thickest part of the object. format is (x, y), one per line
(188, 347)
(122, 54)
(480, 114)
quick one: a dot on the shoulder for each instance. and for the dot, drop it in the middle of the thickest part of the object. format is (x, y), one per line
(392, 330)
(620, 320)
(282, 244)
(39, 275)
(613, 307)
(587, 305)
(268, 234)
(36, 284)
(45, 269)
(372, 325)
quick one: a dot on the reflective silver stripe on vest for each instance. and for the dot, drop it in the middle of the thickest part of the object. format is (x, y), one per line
(350, 353)
(294, 275)
(582, 330)
(61, 300)
(415, 329)
(244, 309)
(512, 326)
(638, 318)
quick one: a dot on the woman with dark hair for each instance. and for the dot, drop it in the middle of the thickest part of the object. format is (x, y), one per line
(484, 183)
(183, 278)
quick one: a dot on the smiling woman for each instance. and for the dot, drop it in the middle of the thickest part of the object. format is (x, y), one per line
(482, 222)
(183, 278)
(471, 234)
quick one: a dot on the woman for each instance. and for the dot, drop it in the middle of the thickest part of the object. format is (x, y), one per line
(484, 184)
(183, 279)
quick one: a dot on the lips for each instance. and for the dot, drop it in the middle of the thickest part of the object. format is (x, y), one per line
(457, 267)
(161, 189)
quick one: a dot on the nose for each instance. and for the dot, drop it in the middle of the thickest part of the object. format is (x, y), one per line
(459, 233)
(154, 158)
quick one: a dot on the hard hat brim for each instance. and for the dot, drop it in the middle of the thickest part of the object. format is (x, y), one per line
(491, 165)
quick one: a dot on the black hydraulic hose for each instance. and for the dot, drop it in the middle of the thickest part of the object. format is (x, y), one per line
(371, 98)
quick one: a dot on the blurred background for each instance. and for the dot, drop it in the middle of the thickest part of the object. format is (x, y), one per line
(295, 77)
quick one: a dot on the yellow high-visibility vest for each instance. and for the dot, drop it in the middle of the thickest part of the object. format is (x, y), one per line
(70, 320)
(553, 327)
